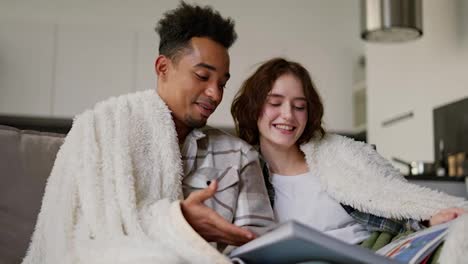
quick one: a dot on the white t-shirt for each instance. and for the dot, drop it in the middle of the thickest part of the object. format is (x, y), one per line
(301, 198)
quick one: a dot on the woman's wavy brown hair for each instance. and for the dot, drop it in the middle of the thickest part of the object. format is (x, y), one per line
(249, 100)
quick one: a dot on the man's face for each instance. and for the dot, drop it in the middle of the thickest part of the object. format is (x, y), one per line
(193, 86)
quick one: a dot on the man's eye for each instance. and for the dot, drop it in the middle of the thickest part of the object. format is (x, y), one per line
(202, 77)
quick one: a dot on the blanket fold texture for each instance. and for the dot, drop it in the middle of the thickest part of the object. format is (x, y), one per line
(354, 174)
(114, 192)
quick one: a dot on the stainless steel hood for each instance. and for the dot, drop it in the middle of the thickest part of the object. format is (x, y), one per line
(391, 20)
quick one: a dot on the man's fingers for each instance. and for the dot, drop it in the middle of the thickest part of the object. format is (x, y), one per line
(232, 230)
(232, 239)
(202, 195)
(209, 224)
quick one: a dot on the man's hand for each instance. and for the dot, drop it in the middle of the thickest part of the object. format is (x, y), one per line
(209, 224)
(445, 215)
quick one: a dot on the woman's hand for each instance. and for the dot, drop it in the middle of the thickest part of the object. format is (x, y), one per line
(446, 215)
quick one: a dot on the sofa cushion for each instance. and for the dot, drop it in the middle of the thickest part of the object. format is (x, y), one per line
(26, 159)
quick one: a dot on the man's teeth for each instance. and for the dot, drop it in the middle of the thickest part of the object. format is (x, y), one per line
(284, 127)
(205, 107)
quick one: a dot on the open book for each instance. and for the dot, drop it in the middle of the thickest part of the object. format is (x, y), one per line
(293, 242)
(415, 247)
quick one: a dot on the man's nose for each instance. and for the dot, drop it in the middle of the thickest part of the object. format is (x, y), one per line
(214, 92)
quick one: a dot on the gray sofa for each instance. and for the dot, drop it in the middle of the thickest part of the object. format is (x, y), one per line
(26, 159)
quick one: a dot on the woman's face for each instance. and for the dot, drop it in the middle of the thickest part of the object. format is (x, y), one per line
(284, 113)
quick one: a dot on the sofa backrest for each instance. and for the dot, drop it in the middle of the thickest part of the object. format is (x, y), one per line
(26, 159)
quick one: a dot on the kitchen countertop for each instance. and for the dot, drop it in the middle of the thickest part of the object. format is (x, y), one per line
(432, 177)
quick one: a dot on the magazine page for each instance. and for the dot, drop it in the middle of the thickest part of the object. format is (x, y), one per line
(293, 242)
(416, 246)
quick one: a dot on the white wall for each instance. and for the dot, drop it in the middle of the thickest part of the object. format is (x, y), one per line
(59, 57)
(417, 76)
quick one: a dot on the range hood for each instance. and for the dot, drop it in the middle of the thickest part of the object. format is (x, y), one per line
(391, 20)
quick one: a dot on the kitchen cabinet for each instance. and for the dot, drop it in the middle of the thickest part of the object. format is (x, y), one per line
(415, 77)
(93, 63)
(26, 68)
(456, 187)
(359, 106)
(60, 69)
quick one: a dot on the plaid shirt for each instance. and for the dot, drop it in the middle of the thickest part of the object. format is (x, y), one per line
(369, 221)
(382, 224)
(241, 198)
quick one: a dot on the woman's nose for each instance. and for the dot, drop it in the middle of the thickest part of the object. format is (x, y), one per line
(286, 112)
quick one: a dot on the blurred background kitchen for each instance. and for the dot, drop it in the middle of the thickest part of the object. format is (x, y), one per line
(405, 93)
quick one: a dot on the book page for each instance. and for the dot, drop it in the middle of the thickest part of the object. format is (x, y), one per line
(293, 242)
(414, 247)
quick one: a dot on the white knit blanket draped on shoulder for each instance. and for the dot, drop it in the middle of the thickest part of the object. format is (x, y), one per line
(354, 174)
(113, 194)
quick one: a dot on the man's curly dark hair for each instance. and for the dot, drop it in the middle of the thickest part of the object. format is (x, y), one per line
(179, 25)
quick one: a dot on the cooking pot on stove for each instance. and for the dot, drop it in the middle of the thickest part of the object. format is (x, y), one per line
(417, 167)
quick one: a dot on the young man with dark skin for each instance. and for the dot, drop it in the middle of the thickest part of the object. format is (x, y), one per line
(141, 179)
(191, 81)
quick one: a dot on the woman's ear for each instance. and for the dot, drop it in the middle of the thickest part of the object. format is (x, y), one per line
(161, 66)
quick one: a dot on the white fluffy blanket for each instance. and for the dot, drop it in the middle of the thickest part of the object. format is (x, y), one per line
(113, 194)
(354, 174)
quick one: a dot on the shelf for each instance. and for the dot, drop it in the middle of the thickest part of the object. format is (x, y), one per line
(429, 177)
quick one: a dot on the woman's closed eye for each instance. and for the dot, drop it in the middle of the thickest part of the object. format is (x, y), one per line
(300, 107)
(274, 104)
(297, 107)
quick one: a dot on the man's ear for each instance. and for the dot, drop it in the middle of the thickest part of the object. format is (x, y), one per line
(161, 66)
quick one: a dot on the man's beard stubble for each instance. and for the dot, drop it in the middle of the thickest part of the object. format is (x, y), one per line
(193, 123)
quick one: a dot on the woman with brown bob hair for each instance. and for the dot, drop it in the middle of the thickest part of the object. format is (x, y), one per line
(246, 108)
(329, 182)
